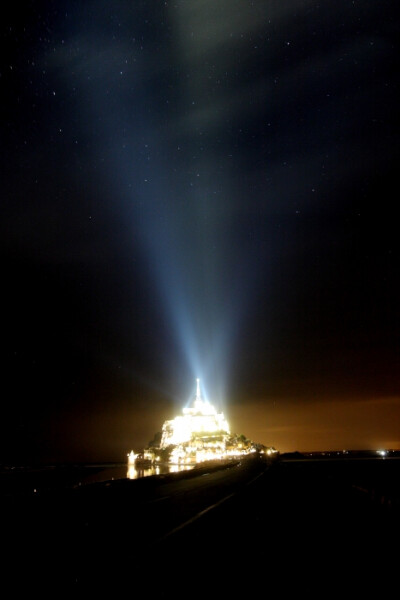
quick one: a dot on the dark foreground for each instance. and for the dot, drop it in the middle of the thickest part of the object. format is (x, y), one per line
(314, 527)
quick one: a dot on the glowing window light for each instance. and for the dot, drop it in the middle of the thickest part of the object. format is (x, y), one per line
(132, 457)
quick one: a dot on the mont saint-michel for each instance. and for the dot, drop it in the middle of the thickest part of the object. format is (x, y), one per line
(199, 434)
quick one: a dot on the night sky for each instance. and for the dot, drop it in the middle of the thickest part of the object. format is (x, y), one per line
(198, 188)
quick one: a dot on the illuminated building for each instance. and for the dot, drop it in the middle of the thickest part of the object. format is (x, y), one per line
(199, 434)
(199, 422)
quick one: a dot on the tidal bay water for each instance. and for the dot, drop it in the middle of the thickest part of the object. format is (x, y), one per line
(22, 480)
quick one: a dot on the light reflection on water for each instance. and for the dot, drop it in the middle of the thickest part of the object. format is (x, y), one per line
(16, 481)
(135, 472)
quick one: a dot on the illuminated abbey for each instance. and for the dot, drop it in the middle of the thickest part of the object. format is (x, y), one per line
(198, 435)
